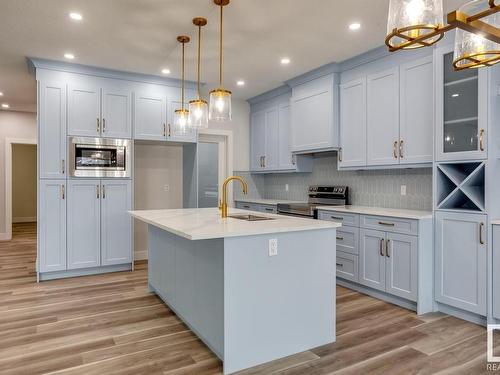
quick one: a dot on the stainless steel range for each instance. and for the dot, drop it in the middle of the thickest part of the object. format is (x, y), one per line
(318, 196)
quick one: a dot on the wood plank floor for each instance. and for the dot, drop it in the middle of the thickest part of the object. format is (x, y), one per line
(111, 324)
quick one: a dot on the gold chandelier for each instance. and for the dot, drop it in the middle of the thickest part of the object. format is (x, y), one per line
(181, 116)
(419, 23)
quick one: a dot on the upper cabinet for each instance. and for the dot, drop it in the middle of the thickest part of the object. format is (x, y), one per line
(461, 110)
(386, 117)
(314, 114)
(99, 110)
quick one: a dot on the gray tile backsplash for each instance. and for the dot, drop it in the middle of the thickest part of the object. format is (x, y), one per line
(381, 188)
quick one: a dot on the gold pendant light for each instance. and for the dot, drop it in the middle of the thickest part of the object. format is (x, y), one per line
(181, 116)
(198, 108)
(220, 98)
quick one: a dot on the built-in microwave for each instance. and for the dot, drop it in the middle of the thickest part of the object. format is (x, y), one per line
(99, 157)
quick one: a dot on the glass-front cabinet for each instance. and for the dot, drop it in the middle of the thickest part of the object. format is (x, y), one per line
(461, 100)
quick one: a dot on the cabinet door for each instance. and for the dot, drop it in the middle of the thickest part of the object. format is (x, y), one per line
(52, 130)
(150, 120)
(84, 110)
(401, 265)
(416, 112)
(372, 259)
(496, 271)
(272, 136)
(258, 140)
(461, 261)
(84, 227)
(313, 125)
(188, 135)
(52, 225)
(352, 151)
(383, 118)
(116, 113)
(116, 222)
(285, 157)
(461, 110)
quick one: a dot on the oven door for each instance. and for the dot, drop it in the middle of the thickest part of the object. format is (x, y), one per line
(97, 157)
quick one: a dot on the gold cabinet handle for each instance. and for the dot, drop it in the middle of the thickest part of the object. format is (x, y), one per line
(169, 133)
(387, 254)
(98, 126)
(340, 154)
(103, 125)
(386, 224)
(264, 159)
(63, 192)
(340, 265)
(103, 191)
(401, 142)
(381, 247)
(394, 149)
(97, 191)
(337, 218)
(164, 130)
(63, 166)
(481, 139)
(481, 238)
(340, 238)
(294, 160)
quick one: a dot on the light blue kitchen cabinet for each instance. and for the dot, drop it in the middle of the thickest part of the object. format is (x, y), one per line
(52, 130)
(84, 110)
(352, 152)
(314, 115)
(286, 160)
(416, 112)
(401, 265)
(84, 224)
(372, 261)
(461, 260)
(271, 155)
(150, 116)
(116, 113)
(116, 223)
(258, 140)
(189, 135)
(461, 110)
(52, 225)
(383, 118)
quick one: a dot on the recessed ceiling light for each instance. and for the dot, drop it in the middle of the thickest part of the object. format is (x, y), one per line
(285, 60)
(75, 16)
(240, 83)
(5, 105)
(165, 71)
(355, 26)
(1, 93)
(455, 95)
(69, 56)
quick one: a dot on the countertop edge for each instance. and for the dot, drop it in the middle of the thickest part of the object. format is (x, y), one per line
(379, 211)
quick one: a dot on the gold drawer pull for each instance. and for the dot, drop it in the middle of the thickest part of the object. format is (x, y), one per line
(337, 218)
(340, 238)
(382, 247)
(387, 254)
(340, 265)
(481, 239)
(481, 139)
(387, 224)
(394, 149)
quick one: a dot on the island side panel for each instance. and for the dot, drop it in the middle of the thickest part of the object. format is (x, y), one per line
(189, 277)
(279, 305)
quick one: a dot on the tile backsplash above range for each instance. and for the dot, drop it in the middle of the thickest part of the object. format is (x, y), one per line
(380, 188)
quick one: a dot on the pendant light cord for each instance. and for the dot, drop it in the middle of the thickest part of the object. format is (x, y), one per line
(199, 59)
(182, 85)
(220, 45)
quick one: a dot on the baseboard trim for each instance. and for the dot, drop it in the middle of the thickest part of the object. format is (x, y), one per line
(140, 255)
(43, 276)
(28, 219)
(461, 314)
(5, 237)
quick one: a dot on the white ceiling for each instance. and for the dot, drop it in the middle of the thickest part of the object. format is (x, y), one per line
(140, 36)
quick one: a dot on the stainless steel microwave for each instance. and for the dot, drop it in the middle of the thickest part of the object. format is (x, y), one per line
(99, 157)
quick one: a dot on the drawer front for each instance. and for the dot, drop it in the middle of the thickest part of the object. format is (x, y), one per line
(348, 240)
(268, 209)
(389, 224)
(340, 217)
(347, 266)
(248, 206)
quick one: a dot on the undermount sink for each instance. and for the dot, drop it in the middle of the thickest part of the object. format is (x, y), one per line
(249, 217)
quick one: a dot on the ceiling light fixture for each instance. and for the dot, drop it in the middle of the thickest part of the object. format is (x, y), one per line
(5, 105)
(419, 23)
(355, 26)
(69, 56)
(181, 116)
(285, 61)
(165, 71)
(1, 93)
(198, 108)
(240, 83)
(220, 98)
(75, 16)
(455, 95)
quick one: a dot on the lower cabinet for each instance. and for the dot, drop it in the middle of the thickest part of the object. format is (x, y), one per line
(461, 261)
(99, 227)
(372, 259)
(52, 225)
(496, 271)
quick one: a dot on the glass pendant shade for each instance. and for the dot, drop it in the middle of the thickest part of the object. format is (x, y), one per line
(181, 122)
(473, 50)
(410, 19)
(220, 105)
(198, 114)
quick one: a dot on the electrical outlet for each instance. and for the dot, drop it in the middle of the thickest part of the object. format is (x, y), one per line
(166, 188)
(403, 189)
(286, 187)
(273, 247)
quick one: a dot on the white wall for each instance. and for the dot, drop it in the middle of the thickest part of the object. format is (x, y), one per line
(12, 125)
(24, 183)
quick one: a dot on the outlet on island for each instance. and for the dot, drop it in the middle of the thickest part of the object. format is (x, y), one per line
(273, 247)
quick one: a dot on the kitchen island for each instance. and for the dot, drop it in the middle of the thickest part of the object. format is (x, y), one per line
(253, 291)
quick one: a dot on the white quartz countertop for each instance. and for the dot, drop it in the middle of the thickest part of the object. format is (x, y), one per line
(495, 222)
(271, 202)
(379, 211)
(206, 223)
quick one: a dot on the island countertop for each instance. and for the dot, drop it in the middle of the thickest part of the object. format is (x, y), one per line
(206, 223)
